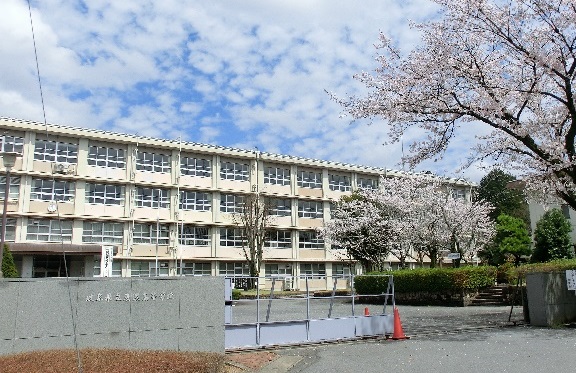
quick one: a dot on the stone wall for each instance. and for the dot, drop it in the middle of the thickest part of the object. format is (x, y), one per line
(175, 313)
(550, 303)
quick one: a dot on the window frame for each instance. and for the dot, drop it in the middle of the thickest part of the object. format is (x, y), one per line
(192, 200)
(310, 209)
(11, 144)
(153, 162)
(232, 237)
(279, 206)
(235, 171)
(108, 232)
(148, 236)
(193, 166)
(14, 191)
(276, 175)
(232, 203)
(313, 270)
(156, 198)
(50, 230)
(278, 239)
(104, 156)
(309, 179)
(190, 268)
(309, 239)
(194, 235)
(339, 182)
(55, 151)
(52, 190)
(110, 195)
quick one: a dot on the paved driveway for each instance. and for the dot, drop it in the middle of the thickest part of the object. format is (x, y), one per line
(447, 339)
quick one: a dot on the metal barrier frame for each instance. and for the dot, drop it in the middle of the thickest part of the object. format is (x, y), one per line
(308, 330)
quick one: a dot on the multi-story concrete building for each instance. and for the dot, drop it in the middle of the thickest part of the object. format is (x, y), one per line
(165, 207)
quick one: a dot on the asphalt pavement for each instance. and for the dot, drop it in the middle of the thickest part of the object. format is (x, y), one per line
(444, 339)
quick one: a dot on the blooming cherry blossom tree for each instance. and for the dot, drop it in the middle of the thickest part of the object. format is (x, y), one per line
(412, 217)
(506, 64)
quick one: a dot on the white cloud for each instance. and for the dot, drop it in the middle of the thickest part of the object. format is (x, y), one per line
(249, 73)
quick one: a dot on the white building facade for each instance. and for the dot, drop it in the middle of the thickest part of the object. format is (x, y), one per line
(165, 208)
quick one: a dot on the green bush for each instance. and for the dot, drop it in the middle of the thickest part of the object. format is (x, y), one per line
(432, 280)
(236, 293)
(553, 266)
(8, 267)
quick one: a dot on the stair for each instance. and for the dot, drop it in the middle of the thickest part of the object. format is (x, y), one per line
(493, 296)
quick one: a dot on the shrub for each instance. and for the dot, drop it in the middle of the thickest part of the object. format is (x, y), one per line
(553, 266)
(236, 293)
(8, 267)
(428, 280)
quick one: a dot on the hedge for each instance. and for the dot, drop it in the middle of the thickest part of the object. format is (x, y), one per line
(559, 265)
(432, 280)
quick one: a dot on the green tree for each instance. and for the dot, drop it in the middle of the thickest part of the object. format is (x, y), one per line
(506, 199)
(512, 237)
(552, 237)
(8, 267)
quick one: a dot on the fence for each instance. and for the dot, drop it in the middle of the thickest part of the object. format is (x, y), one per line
(276, 317)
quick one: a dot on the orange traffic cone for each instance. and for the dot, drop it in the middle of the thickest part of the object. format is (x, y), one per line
(366, 311)
(398, 332)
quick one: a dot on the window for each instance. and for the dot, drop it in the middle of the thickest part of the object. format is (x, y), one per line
(280, 206)
(310, 209)
(148, 269)
(310, 240)
(152, 197)
(102, 232)
(234, 171)
(458, 194)
(195, 167)
(49, 266)
(366, 183)
(339, 182)
(195, 236)
(310, 179)
(196, 269)
(274, 269)
(150, 233)
(198, 201)
(52, 190)
(313, 270)
(14, 191)
(106, 157)
(234, 269)
(232, 237)
(277, 239)
(232, 203)
(154, 162)
(12, 144)
(53, 151)
(277, 176)
(106, 194)
(49, 230)
(341, 270)
(10, 230)
(116, 267)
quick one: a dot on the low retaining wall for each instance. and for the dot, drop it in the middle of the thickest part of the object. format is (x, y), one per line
(550, 303)
(176, 313)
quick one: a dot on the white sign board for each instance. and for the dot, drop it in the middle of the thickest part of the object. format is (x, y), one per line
(453, 256)
(106, 261)
(571, 279)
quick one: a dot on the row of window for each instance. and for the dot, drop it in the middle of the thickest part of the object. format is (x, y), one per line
(232, 269)
(50, 230)
(55, 151)
(111, 194)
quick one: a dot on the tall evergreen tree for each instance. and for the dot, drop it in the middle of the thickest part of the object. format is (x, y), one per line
(495, 189)
(552, 237)
(8, 267)
(512, 237)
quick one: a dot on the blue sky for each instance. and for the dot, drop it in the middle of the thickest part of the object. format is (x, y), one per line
(245, 74)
